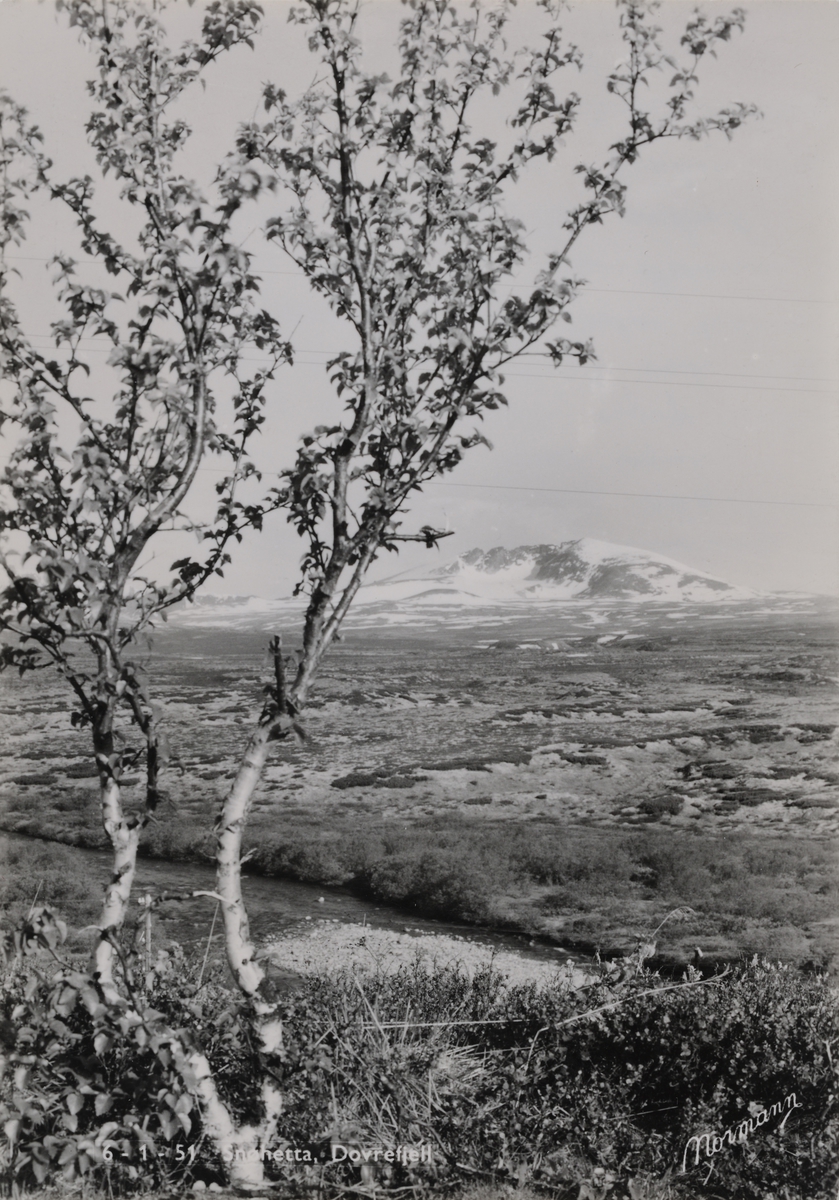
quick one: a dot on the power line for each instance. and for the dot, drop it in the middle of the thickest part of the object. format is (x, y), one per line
(629, 291)
(647, 370)
(614, 367)
(707, 296)
(508, 487)
(601, 291)
(666, 370)
(740, 387)
(586, 367)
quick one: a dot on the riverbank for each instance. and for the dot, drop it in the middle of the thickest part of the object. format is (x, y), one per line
(301, 928)
(333, 946)
(581, 889)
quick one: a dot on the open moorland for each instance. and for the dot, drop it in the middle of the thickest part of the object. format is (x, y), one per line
(575, 772)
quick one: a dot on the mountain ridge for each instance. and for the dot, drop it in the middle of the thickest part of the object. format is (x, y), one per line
(582, 568)
(508, 583)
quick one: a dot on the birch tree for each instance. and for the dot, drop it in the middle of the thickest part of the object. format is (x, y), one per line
(108, 429)
(395, 205)
(396, 211)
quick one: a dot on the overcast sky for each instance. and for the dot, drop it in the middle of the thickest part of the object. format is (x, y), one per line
(708, 429)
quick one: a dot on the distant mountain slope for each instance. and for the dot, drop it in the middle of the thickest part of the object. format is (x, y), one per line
(584, 569)
(502, 581)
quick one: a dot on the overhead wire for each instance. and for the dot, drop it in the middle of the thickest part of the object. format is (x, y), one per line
(590, 379)
(587, 288)
(577, 378)
(511, 487)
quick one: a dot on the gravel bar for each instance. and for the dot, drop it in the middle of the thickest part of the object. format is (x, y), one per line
(325, 947)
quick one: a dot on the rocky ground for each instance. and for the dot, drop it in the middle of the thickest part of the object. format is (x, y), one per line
(329, 946)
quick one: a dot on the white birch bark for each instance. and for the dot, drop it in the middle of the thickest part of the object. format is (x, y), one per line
(125, 840)
(241, 953)
(230, 827)
(241, 1147)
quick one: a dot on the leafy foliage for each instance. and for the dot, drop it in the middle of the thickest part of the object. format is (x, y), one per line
(600, 1088)
(76, 516)
(398, 217)
(95, 1090)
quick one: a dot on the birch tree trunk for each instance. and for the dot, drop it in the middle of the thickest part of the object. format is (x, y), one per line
(230, 828)
(124, 836)
(122, 832)
(241, 1147)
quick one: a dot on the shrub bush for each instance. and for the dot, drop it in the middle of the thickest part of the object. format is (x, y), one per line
(308, 861)
(437, 882)
(178, 838)
(93, 1092)
(546, 1087)
(85, 770)
(656, 806)
(544, 1097)
(45, 873)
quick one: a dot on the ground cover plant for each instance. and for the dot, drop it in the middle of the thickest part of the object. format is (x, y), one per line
(583, 1093)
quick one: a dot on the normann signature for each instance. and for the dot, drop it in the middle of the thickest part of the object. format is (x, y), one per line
(737, 1134)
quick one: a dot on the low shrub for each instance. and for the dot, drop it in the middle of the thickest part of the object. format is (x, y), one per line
(44, 873)
(310, 862)
(177, 838)
(64, 803)
(456, 867)
(564, 899)
(435, 881)
(85, 770)
(547, 1088)
(560, 1088)
(597, 865)
(93, 1093)
(381, 778)
(657, 806)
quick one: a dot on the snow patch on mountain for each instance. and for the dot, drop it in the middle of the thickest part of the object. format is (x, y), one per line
(512, 582)
(585, 569)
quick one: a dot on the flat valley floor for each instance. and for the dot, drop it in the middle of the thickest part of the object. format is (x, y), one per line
(593, 769)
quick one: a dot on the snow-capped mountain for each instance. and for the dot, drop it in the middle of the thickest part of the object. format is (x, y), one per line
(585, 569)
(478, 583)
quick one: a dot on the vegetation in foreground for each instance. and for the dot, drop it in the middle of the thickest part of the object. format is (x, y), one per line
(589, 1093)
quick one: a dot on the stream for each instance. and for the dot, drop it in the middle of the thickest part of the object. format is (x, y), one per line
(276, 906)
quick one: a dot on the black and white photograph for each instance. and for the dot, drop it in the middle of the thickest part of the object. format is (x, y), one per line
(419, 599)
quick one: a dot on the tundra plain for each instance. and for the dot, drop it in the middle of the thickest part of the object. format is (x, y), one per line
(575, 772)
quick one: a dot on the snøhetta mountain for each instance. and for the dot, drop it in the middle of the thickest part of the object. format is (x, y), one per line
(538, 576)
(584, 569)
